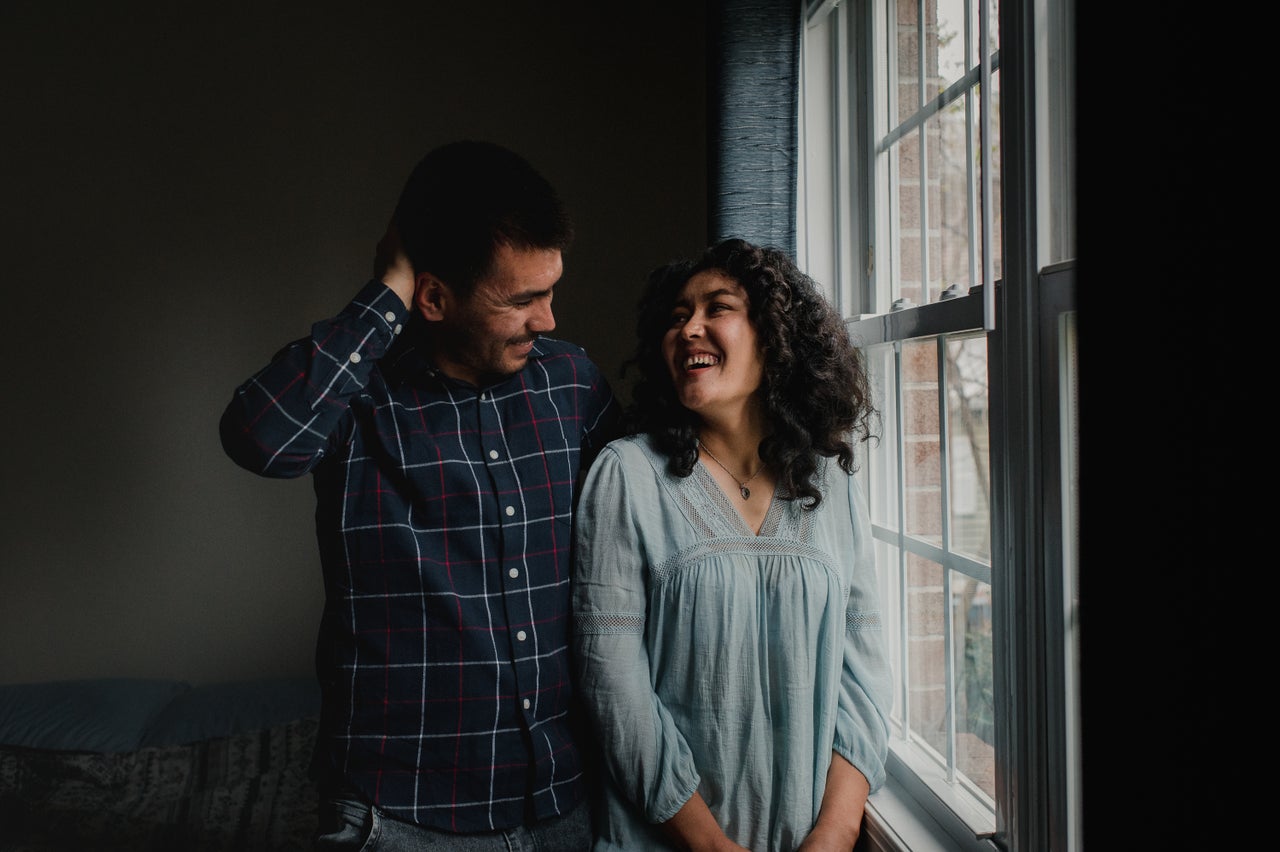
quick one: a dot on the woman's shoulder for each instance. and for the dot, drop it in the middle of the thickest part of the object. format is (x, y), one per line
(632, 456)
(632, 448)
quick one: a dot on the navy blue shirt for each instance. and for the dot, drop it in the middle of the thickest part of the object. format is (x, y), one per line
(443, 516)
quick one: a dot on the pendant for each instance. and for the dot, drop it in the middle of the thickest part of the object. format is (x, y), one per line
(746, 492)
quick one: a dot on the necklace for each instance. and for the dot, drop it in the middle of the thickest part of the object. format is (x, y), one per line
(742, 483)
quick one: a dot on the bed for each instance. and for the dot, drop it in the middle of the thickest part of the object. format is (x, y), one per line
(143, 764)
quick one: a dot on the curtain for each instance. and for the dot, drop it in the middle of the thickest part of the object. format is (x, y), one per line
(753, 55)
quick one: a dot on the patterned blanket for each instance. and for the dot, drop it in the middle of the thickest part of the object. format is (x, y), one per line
(245, 792)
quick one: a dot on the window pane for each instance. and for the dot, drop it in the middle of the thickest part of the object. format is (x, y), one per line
(953, 209)
(974, 702)
(921, 440)
(997, 210)
(908, 260)
(927, 653)
(882, 493)
(889, 572)
(969, 448)
(906, 43)
(953, 52)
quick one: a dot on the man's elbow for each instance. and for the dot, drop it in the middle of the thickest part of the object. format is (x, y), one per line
(244, 448)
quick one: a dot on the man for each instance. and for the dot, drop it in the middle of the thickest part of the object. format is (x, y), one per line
(445, 436)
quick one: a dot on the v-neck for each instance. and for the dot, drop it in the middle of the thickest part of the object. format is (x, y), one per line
(729, 510)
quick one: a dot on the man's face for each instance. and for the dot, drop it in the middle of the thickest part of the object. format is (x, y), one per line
(488, 335)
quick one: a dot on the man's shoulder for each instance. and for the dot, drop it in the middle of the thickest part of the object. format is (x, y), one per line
(559, 358)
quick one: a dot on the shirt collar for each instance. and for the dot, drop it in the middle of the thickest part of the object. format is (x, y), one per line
(408, 359)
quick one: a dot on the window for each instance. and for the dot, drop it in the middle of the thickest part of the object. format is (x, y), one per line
(938, 210)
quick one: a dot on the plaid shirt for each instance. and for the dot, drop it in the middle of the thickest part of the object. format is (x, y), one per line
(444, 523)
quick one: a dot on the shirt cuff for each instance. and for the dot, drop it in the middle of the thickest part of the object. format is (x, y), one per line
(378, 305)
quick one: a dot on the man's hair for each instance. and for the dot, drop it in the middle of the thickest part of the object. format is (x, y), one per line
(464, 200)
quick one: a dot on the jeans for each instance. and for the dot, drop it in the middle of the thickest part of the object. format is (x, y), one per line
(348, 825)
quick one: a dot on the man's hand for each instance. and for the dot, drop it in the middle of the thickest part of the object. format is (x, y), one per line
(391, 266)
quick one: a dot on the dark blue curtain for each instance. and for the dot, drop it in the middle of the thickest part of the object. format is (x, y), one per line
(753, 89)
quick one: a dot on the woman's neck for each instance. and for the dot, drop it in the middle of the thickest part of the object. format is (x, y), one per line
(735, 441)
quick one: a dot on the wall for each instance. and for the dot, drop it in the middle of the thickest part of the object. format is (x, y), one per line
(187, 189)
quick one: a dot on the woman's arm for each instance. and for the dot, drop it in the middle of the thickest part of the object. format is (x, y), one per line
(642, 750)
(694, 828)
(840, 815)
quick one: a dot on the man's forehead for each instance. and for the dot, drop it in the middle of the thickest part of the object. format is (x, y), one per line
(533, 270)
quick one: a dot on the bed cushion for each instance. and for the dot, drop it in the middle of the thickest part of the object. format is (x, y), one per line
(224, 709)
(103, 715)
(249, 792)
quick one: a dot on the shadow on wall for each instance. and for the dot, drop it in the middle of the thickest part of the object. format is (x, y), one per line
(191, 189)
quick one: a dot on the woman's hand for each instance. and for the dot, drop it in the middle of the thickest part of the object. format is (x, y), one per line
(840, 815)
(695, 829)
(827, 838)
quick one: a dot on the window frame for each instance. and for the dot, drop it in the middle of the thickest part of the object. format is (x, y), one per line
(1028, 318)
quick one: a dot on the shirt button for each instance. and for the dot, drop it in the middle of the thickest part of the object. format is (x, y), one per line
(526, 704)
(398, 328)
(521, 635)
(390, 315)
(493, 454)
(511, 510)
(355, 357)
(513, 573)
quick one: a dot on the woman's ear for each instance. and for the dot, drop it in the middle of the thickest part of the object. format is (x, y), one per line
(430, 296)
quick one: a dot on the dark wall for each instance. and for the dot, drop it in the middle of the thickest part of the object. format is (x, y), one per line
(187, 188)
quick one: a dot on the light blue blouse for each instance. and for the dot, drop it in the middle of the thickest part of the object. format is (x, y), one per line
(716, 660)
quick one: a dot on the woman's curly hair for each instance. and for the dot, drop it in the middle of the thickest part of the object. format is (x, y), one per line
(815, 390)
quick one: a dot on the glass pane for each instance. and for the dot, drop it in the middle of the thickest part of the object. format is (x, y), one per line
(953, 202)
(952, 53)
(906, 44)
(889, 574)
(882, 492)
(908, 266)
(969, 447)
(993, 27)
(997, 210)
(921, 450)
(974, 701)
(927, 653)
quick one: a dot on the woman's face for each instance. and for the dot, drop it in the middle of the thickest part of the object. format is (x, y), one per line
(711, 347)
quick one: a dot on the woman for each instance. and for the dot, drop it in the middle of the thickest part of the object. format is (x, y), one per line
(728, 635)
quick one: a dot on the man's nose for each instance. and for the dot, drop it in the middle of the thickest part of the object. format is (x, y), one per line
(543, 321)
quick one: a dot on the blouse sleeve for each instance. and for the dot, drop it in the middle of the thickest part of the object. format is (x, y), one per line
(866, 686)
(645, 755)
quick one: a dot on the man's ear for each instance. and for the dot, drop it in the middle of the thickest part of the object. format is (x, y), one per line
(431, 296)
